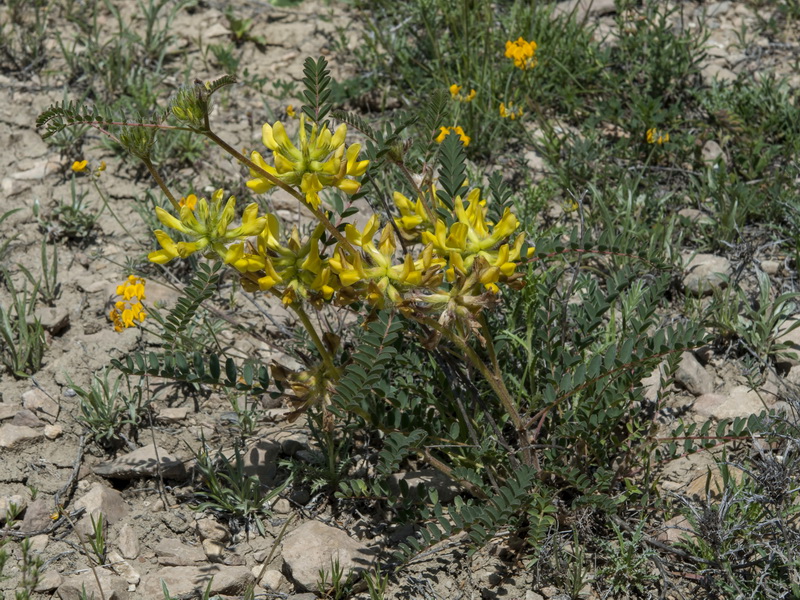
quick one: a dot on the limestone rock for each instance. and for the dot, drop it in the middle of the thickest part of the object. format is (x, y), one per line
(48, 581)
(712, 151)
(12, 435)
(113, 586)
(25, 418)
(705, 272)
(8, 410)
(692, 376)
(173, 415)
(173, 553)
(123, 568)
(420, 481)
(101, 500)
(142, 462)
(40, 404)
(185, 580)
(272, 580)
(52, 432)
(261, 460)
(314, 546)
(211, 529)
(5, 504)
(741, 401)
(585, 8)
(37, 515)
(128, 542)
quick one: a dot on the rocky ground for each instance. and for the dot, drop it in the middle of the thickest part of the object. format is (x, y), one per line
(60, 480)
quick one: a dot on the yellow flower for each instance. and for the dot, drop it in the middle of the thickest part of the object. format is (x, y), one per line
(656, 137)
(207, 226)
(321, 161)
(522, 53)
(455, 92)
(80, 166)
(445, 131)
(190, 201)
(509, 112)
(129, 309)
(102, 166)
(290, 112)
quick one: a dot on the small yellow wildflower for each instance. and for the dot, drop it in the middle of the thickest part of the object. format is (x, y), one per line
(455, 92)
(656, 137)
(290, 112)
(190, 201)
(129, 309)
(508, 112)
(80, 166)
(522, 53)
(102, 166)
(445, 131)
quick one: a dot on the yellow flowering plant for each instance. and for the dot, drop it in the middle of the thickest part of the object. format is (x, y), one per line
(440, 260)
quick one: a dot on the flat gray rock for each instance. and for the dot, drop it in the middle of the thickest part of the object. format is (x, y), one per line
(143, 462)
(314, 546)
(705, 273)
(185, 580)
(13, 435)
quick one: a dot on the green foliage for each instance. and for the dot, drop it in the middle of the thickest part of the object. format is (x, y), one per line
(73, 220)
(229, 491)
(48, 285)
(200, 289)
(107, 409)
(317, 90)
(22, 333)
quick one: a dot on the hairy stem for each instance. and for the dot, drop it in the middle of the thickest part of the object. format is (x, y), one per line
(149, 164)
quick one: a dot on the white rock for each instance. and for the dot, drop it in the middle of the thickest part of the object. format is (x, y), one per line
(128, 542)
(52, 432)
(123, 568)
(272, 580)
(40, 171)
(314, 546)
(705, 272)
(40, 404)
(113, 586)
(12, 435)
(211, 529)
(692, 376)
(172, 553)
(185, 580)
(101, 500)
(5, 503)
(711, 149)
(142, 462)
(741, 401)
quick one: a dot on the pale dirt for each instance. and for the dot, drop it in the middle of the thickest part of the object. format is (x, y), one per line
(89, 274)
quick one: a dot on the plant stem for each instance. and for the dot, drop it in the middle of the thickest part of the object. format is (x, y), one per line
(318, 214)
(149, 164)
(495, 380)
(327, 359)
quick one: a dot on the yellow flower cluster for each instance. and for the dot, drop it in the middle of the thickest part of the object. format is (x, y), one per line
(656, 137)
(129, 309)
(452, 265)
(321, 161)
(81, 166)
(455, 92)
(522, 53)
(445, 131)
(508, 112)
(207, 227)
